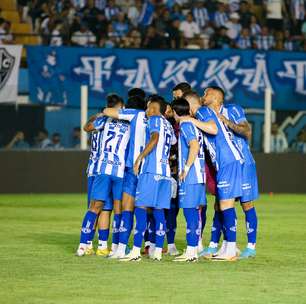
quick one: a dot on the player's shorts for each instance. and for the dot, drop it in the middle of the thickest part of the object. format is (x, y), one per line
(153, 191)
(105, 185)
(191, 195)
(108, 203)
(130, 181)
(249, 183)
(229, 180)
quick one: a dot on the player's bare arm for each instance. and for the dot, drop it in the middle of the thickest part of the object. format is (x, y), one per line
(243, 128)
(89, 127)
(194, 148)
(208, 127)
(111, 112)
(149, 147)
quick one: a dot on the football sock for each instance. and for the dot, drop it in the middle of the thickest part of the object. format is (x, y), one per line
(160, 227)
(171, 224)
(87, 226)
(91, 237)
(192, 220)
(230, 224)
(125, 227)
(151, 229)
(116, 225)
(141, 223)
(216, 227)
(203, 218)
(103, 238)
(251, 226)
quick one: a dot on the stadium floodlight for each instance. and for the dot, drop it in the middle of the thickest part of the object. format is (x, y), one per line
(267, 123)
(84, 110)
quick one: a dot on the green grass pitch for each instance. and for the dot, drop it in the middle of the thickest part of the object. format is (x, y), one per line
(39, 235)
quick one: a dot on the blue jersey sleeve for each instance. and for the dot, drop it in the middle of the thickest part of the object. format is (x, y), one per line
(127, 114)
(154, 124)
(99, 123)
(205, 114)
(237, 114)
(188, 131)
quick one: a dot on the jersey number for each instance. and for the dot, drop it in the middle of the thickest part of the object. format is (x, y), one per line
(94, 143)
(167, 144)
(113, 141)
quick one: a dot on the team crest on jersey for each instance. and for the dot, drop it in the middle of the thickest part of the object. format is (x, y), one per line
(6, 66)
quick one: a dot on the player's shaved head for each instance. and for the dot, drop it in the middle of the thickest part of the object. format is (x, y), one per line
(194, 101)
(213, 95)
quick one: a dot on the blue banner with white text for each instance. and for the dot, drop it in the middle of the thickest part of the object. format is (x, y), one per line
(56, 74)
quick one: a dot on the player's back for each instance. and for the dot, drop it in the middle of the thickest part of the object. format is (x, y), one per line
(113, 147)
(157, 161)
(196, 172)
(95, 147)
(138, 123)
(222, 148)
(236, 114)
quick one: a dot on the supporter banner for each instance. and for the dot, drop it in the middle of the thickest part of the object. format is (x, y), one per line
(9, 66)
(57, 73)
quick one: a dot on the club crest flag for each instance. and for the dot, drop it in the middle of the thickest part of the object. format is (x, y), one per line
(9, 67)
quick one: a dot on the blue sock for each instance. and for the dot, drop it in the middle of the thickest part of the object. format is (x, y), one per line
(151, 228)
(103, 235)
(92, 236)
(171, 224)
(216, 227)
(141, 224)
(203, 218)
(116, 226)
(160, 227)
(230, 224)
(125, 227)
(192, 231)
(87, 226)
(251, 224)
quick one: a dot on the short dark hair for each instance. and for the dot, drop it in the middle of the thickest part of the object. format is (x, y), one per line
(77, 129)
(137, 92)
(190, 94)
(113, 100)
(217, 89)
(136, 102)
(183, 86)
(181, 106)
(44, 131)
(160, 100)
(56, 134)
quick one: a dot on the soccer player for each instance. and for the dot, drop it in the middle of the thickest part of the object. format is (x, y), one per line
(110, 172)
(227, 160)
(154, 183)
(95, 150)
(233, 116)
(191, 177)
(133, 113)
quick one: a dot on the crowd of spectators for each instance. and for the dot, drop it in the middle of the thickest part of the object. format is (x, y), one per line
(43, 141)
(156, 24)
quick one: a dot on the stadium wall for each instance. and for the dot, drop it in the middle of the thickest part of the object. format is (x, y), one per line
(64, 172)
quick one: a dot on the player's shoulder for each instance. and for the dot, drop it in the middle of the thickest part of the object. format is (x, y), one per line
(234, 107)
(205, 111)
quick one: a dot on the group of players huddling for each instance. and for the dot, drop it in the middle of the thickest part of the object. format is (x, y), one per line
(149, 158)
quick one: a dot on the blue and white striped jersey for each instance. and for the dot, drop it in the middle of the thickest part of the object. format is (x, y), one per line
(189, 132)
(157, 162)
(114, 144)
(138, 123)
(95, 147)
(235, 113)
(222, 148)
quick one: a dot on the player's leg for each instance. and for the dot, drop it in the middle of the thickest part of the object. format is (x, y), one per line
(88, 225)
(171, 222)
(103, 232)
(128, 205)
(160, 232)
(251, 227)
(249, 195)
(151, 232)
(228, 188)
(117, 188)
